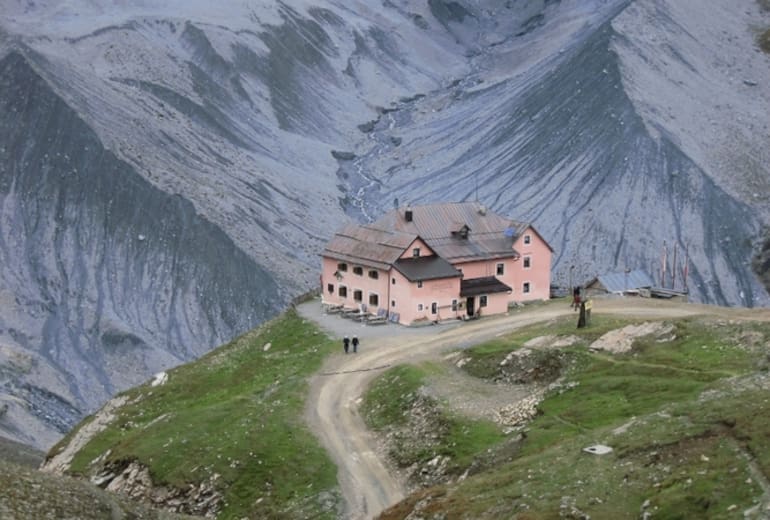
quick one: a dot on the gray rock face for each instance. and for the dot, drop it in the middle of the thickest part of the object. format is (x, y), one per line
(105, 277)
(169, 174)
(571, 153)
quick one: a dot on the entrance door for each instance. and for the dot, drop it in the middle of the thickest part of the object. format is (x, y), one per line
(469, 306)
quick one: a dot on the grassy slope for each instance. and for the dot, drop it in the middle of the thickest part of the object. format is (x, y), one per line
(235, 413)
(693, 428)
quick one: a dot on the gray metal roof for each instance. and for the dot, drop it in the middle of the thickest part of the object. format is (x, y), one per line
(484, 285)
(368, 246)
(425, 268)
(381, 243)
(621, 282)
(438, 226)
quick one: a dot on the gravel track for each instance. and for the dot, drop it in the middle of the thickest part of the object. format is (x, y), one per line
(335, 393)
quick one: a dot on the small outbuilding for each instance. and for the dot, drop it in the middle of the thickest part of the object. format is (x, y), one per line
(625, 282)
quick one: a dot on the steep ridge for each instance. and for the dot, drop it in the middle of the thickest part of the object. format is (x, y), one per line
(566, 147)
(105, 278)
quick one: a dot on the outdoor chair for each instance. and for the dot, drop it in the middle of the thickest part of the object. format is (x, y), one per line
(356, 313)
(381, 318)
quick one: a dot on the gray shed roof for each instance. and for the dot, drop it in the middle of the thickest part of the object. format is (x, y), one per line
(621, 282)
(484, 285)
(425, 268)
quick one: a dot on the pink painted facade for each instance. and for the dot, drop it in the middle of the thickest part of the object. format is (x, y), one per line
(345, 286)
(388, 269)
(531, 274)
(430, 300)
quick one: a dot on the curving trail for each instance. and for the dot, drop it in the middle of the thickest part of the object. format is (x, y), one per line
(335, 393)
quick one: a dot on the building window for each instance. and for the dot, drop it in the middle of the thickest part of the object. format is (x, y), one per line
(374, 300)
(527, 239)
(330, 288)
(454, 305)
(416, 252)
(419, 306)
(374, 275)
(342, 267)
(343, 291)
(358, 270)
(358, 295)
(527, 262)
(419, 283)
(483, 300)
(392, 303)
(433, 308)
(500, 269)
(525, 287)
(393, 281)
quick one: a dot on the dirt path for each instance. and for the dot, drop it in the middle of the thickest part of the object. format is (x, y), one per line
(332, 411)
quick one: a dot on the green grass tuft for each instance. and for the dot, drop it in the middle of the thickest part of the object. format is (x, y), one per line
(391, 396)
(388, 405)
(485, 359)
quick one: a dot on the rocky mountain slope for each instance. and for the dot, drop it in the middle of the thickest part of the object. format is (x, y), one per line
(169, 173)
(29, 493)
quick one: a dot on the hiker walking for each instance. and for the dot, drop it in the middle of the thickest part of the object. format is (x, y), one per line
(355, 344)
(346, 344)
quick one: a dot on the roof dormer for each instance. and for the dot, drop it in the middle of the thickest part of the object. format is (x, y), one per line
(461, 231)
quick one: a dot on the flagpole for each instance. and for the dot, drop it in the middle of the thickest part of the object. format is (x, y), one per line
(686, 268)
(673, 269)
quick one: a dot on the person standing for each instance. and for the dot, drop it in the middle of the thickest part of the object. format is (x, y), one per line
(575, 298)
(346, 344)
(355, 344)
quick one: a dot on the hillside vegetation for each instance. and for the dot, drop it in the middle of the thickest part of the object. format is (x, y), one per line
(684, 411)
(681, 402)
(223, 436)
